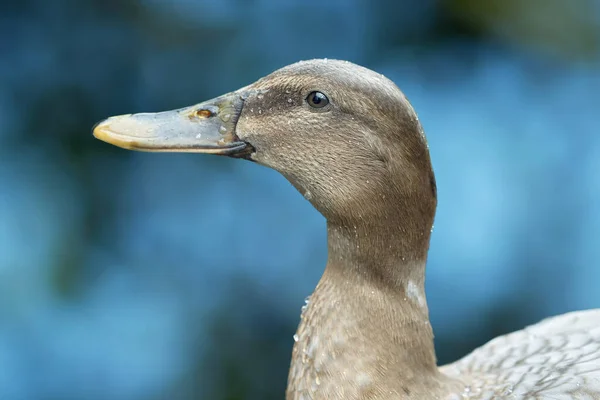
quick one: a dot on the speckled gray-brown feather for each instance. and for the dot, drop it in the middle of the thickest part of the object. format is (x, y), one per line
(558, 358)
(363, 162)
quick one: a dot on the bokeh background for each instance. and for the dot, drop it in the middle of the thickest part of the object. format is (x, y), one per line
(165, 276)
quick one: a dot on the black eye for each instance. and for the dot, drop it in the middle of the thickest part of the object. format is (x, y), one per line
(317, 99)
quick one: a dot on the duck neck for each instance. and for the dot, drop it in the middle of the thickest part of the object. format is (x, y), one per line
(382, 287)
(367, 321)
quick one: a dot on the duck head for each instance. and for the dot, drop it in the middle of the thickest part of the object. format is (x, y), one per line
(343, 135)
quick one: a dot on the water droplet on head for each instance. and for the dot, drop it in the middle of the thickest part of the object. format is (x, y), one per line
(311, 349)
(260, 96)
(223, 129)
(290, 100)
(295, 337)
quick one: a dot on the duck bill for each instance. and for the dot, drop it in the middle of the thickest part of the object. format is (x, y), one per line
(207, 127)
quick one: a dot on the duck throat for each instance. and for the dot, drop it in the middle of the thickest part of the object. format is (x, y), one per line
(365, 332)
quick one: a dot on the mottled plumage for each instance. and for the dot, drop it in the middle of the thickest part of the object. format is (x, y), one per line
(558, 358)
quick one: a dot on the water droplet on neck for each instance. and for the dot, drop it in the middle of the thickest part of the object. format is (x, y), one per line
(363, 380)
(305, 306)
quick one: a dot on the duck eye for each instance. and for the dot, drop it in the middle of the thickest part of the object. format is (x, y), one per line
(317, 100)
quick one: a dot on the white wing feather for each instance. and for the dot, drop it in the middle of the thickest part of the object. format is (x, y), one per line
(558, 358)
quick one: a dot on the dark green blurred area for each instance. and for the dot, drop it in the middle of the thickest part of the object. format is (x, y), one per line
(100, 302)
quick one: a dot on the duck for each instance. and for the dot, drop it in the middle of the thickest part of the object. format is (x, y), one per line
(348, 139)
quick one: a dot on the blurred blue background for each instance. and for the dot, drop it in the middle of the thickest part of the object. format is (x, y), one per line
(166, 276)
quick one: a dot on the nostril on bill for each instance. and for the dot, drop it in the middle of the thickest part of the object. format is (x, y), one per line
(203, 113)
